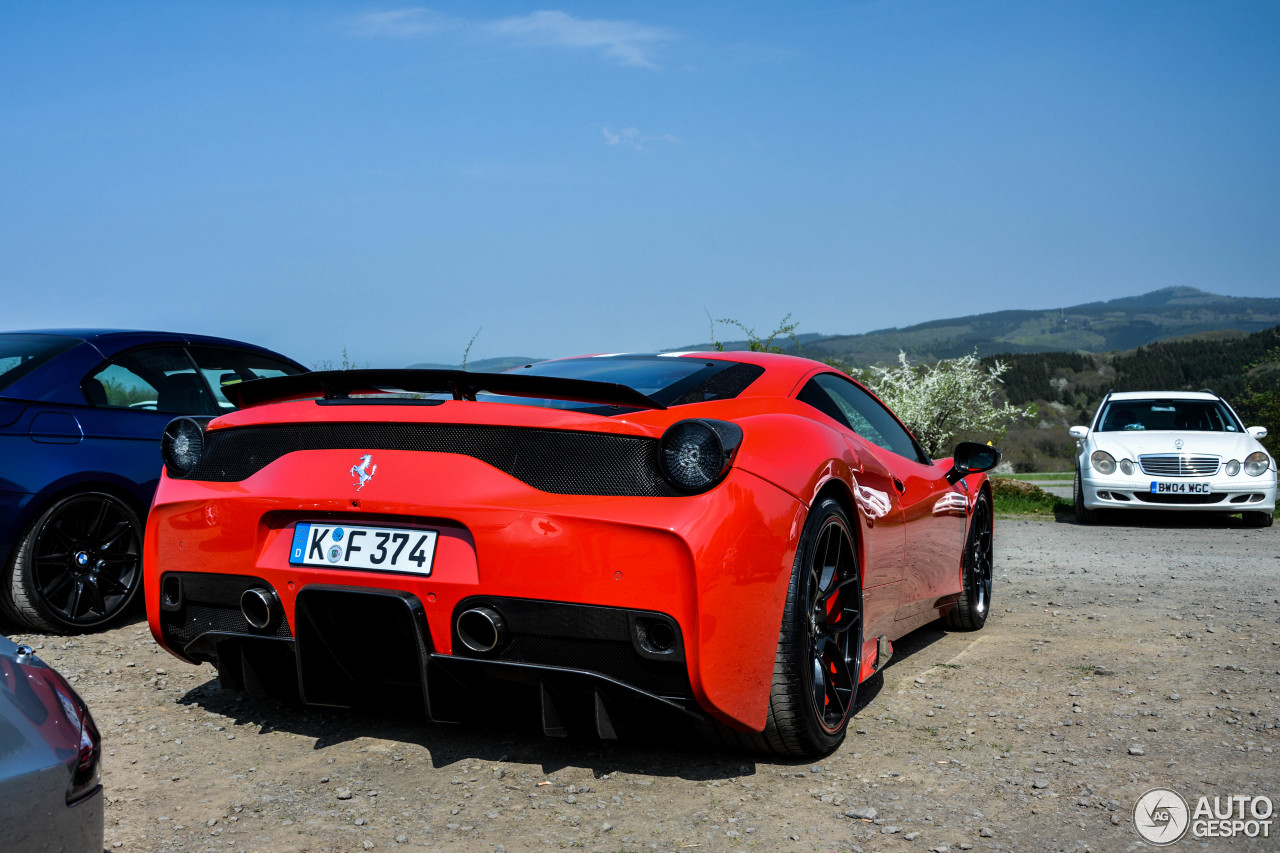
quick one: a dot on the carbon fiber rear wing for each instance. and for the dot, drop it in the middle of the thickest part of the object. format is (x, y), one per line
(460, 384)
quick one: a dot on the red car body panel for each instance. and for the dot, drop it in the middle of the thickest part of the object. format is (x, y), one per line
(719, 562)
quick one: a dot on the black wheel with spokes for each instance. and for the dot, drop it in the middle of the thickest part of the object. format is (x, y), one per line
(819, 660)
(970, 612)
(77, 567)
(833, 634)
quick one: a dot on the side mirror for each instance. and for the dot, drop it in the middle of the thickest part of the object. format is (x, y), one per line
(1079, 432)
(970, 458)
(1257, 432)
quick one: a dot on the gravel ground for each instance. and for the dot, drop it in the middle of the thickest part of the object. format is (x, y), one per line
(1117, 659)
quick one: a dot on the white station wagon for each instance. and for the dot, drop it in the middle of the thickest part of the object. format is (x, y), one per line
(1172, 450)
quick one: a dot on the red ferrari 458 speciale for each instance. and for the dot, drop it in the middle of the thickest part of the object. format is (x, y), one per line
(730, 538)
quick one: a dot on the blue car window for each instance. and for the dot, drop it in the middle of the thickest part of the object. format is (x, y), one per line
(162, 379)
(227, 366)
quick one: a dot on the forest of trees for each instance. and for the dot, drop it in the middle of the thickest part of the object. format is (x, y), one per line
(1226, 366)
(1065, 388)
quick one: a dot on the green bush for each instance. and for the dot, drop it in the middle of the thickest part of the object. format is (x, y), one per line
(1017, 497)
(952, 399)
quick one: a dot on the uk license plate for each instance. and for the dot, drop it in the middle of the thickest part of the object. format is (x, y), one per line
(1161, 488)
(344, 546)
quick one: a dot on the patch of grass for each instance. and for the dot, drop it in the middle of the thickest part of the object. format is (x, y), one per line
(948, 665)
(1017, 497)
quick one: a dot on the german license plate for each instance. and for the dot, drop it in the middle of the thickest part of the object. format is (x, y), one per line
(344, 546)
(1161, 488)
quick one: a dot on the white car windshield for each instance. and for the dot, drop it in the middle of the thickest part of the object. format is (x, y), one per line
(1171, 415)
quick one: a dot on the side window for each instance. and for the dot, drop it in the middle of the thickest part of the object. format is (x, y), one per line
(161, 380)
(227, 367)
(862, 413)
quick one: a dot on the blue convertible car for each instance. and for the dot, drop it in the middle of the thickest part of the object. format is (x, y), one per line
(81, 415)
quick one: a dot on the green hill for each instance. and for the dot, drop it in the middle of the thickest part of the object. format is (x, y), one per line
(1095, 327)
(1119, 324)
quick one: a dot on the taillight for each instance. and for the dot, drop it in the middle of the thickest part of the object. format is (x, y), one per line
(695, 454)
(87, 776)
(53, 705)
(182, 444)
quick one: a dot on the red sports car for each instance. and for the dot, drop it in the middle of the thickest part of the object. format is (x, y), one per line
(730, 538)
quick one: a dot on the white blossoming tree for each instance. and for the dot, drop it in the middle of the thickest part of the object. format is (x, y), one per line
(952, 399)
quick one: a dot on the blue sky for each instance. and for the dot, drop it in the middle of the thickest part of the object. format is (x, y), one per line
(599, 176)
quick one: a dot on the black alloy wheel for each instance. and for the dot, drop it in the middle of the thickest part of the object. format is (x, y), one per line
(974, 605)
(819, 660)
(834, 623)
(78, 566)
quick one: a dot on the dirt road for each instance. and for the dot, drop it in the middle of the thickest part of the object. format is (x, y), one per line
(1117, 659)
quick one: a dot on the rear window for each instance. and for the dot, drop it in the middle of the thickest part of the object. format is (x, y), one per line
(670, 381)
(1169, 415)
(221, 367)
(20, 354)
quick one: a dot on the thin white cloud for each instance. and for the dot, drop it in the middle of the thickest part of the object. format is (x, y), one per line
(631, 137)
(403, 23)
(625, 42)
(628, 42)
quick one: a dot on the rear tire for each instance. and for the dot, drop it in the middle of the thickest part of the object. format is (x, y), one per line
(1084, 515)
(77, 567)
(819, 659)
(971, 610)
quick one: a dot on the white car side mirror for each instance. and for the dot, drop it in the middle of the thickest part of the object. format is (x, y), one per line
(1080, 431)
(1257, 432)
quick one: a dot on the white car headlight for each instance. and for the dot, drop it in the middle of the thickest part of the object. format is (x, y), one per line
(1256, 464)
(1104, 463)
(1126, 466)
(1232, 468)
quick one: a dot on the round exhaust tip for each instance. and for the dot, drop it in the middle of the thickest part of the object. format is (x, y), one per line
(261, 607)
(481, 629)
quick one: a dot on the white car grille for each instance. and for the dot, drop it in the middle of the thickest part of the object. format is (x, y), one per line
(1179, 465)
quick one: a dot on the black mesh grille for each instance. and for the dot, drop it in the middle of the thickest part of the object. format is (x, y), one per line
(208, 602)
(558, 461)
(197, 619)
(586, 637)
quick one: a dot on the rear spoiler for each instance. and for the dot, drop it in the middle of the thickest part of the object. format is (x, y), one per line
(460, 384)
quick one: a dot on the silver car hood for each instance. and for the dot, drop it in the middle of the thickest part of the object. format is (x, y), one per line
(1130, 444)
